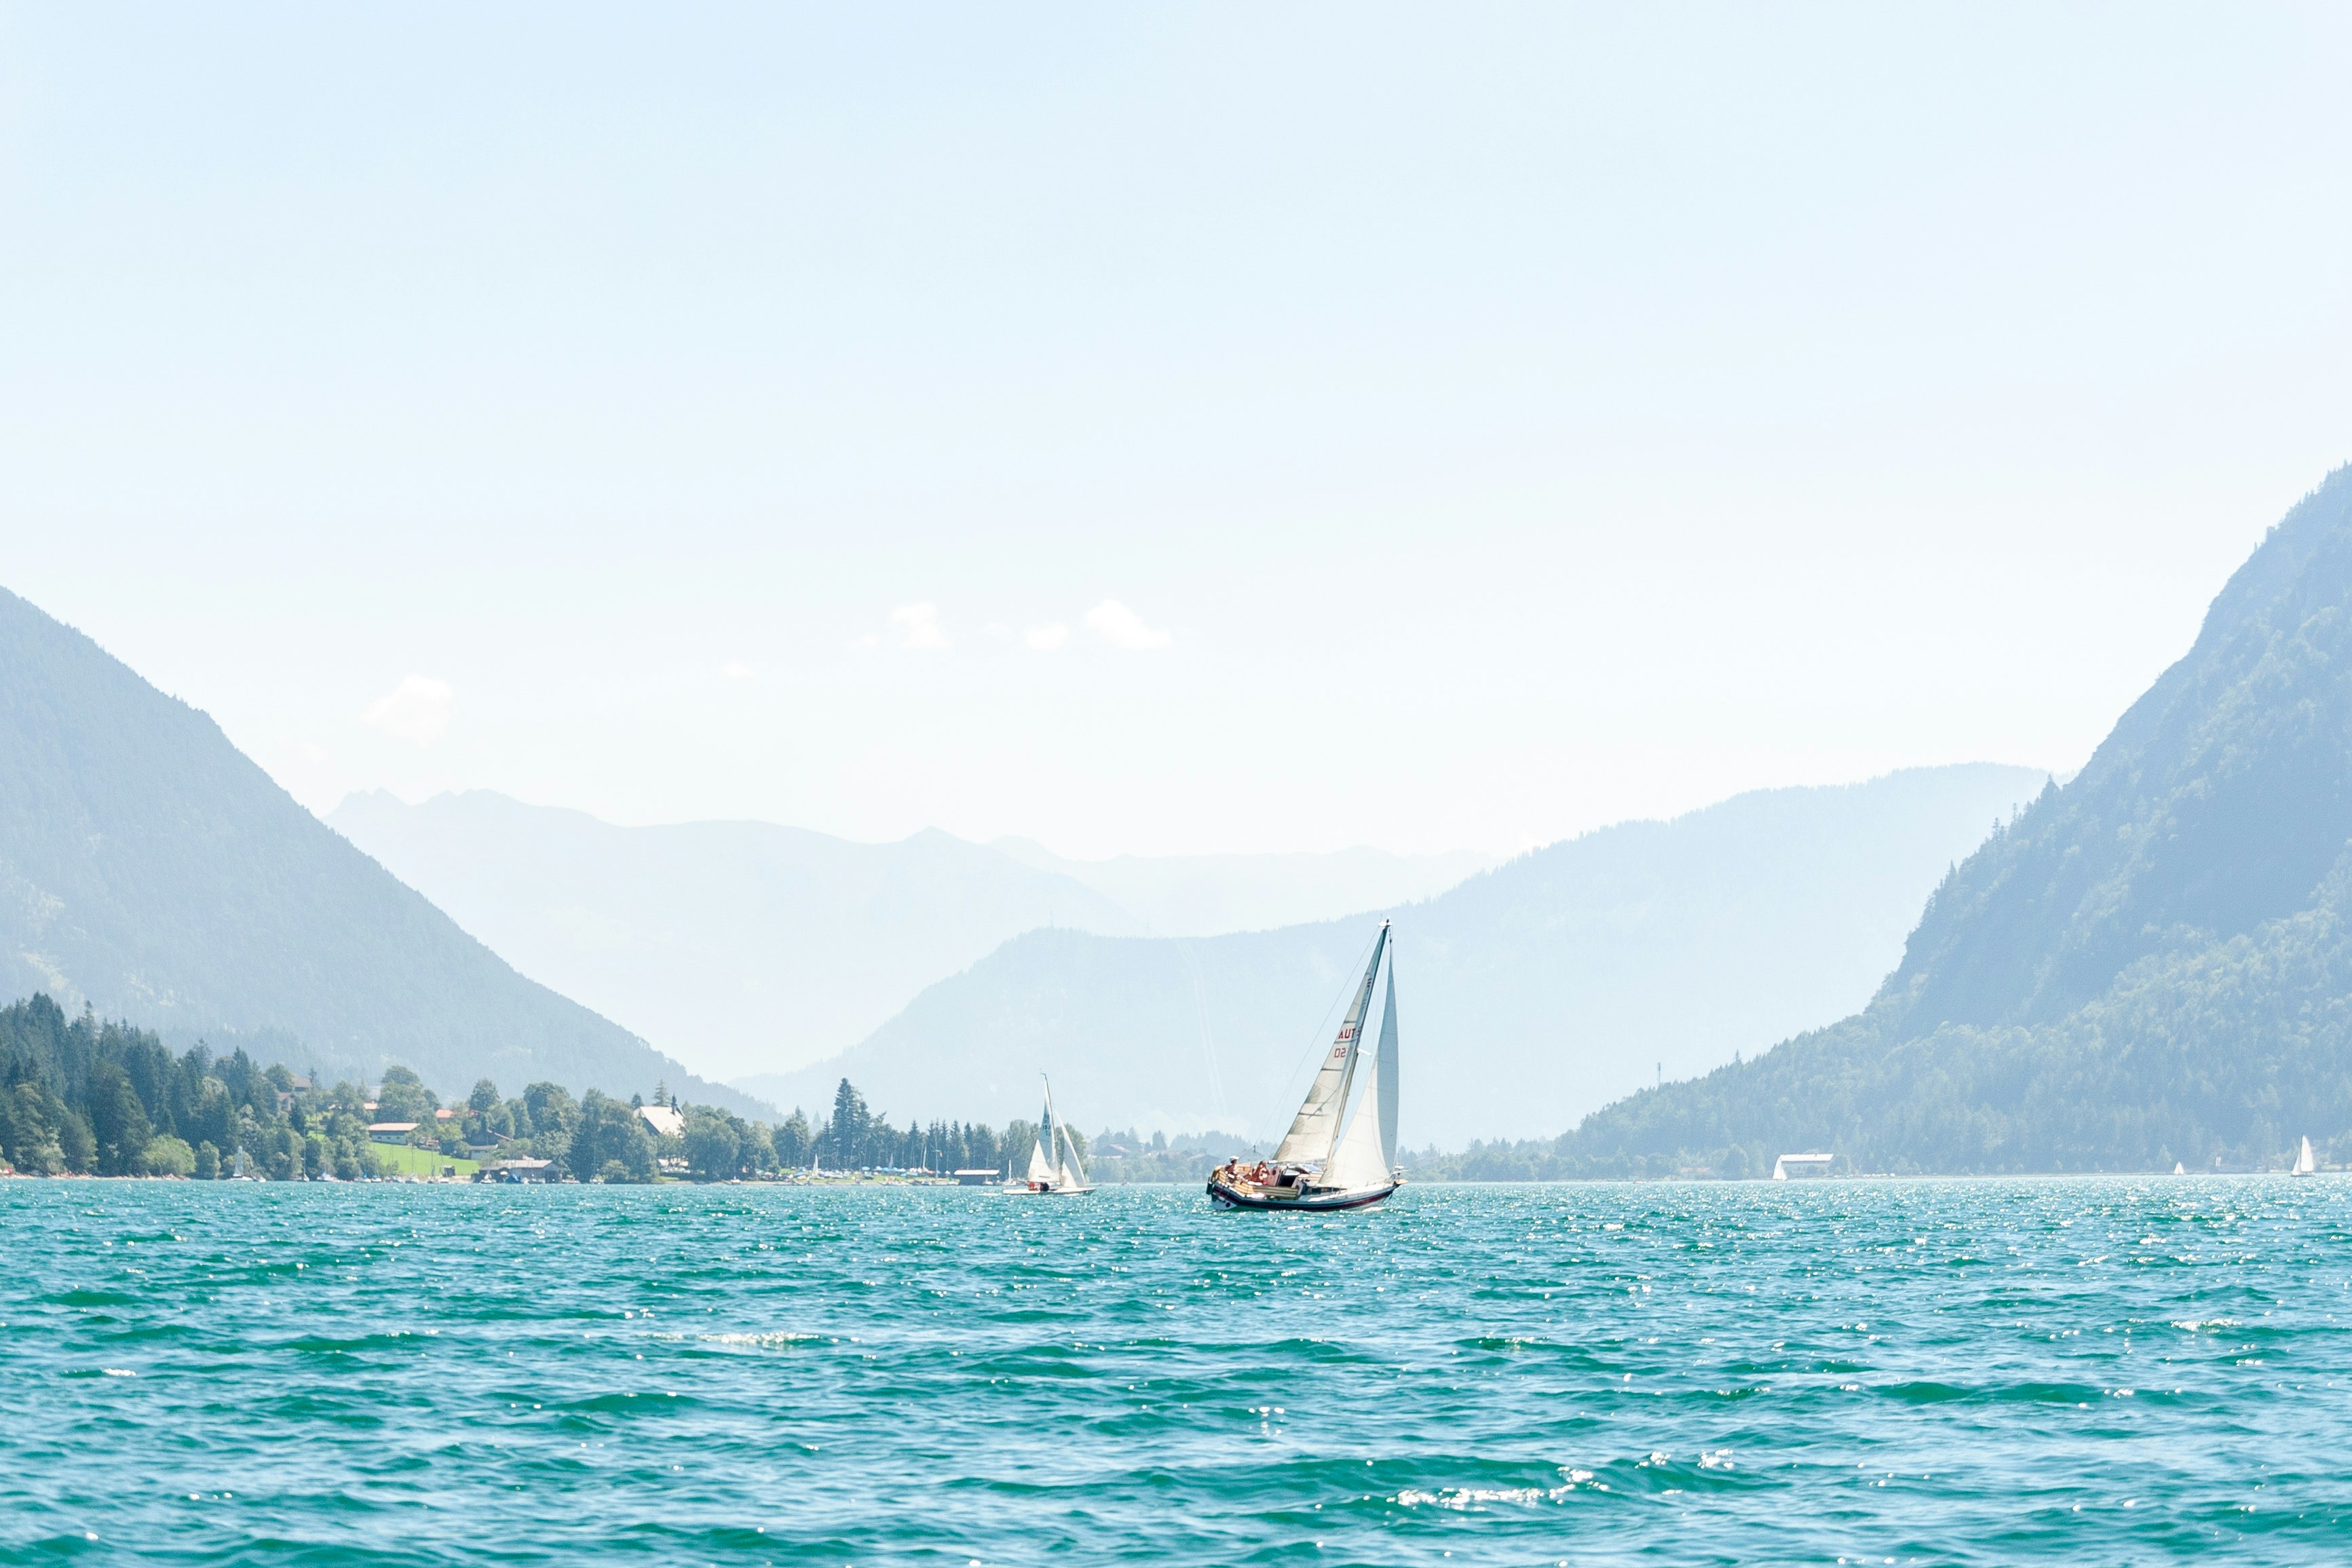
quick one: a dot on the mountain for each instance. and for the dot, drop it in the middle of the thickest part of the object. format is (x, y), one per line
(1207, 895)
(151, 869)
(2153, 964)
(744, 946)
(1529, 994)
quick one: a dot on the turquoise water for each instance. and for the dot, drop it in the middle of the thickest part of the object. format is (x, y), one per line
(2094, 1370)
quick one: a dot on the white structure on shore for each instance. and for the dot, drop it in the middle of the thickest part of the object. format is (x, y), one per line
(1802, 1167)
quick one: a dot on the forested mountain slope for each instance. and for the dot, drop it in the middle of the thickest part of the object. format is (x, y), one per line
(149, 868)
(2152, 963)
(1530, 994)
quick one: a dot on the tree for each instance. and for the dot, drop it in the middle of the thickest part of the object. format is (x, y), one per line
(549, 1108)
(484, 1099)
(117, 1120)
(169, 1157)
(794, 1141)
(843, 1138)
(714, 1144)
(404, 1097)
(207, 1163)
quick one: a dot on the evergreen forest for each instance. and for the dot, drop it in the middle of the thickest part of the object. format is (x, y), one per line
(90, 1097)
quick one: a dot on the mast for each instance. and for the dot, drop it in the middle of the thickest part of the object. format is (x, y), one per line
(1317, 1126)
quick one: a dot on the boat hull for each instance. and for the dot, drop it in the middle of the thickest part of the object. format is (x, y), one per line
(1314, 1203)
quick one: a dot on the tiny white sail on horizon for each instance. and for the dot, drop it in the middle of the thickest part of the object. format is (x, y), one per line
(2305, 1164)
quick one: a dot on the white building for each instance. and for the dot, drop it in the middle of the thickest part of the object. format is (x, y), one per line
(664, 1120)
(1799, 1168)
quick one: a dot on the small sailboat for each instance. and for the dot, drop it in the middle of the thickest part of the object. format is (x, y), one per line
(1340, 1151)
(2179, 1169)
(2304, 1164)
(1055, 1170)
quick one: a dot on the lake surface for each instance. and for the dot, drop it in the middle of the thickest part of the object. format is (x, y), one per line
(2094, 1370)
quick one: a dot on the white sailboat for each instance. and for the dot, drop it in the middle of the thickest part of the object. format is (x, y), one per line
(1340, 1151)
(1056, 1169)
(2304, 1164)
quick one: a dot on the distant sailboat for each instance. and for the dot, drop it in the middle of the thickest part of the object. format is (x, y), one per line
(2304, 1164)
(1340, 1151)
(1056, 1169)
(2179, 1169)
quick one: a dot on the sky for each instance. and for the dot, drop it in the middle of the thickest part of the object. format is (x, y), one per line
(1152, 429)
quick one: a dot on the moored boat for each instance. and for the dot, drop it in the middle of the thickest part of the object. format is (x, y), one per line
(1340, 1151)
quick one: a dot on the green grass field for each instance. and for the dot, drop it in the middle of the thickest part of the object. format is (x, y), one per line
(400, 1159)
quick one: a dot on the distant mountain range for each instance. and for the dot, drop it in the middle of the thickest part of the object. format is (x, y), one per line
(1530, 994)
(2152, 965)
(151, 870)
(745, 946)
(1208, 895)
(754, 948)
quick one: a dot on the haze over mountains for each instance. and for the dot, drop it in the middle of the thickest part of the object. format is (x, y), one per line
(753, 949)
(2153, 965)
(149, 869)
(1207, 895)
(1530, 994)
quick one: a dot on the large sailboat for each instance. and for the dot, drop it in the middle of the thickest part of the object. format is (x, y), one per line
(1340, 1151)
(1055, 1169)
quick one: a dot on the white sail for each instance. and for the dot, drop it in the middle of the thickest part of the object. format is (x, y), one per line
(1386, 1064)
(1074, 1169)
(2304, 1163)
(1317, 1126)
(1358, 1161)
(1041, 1164)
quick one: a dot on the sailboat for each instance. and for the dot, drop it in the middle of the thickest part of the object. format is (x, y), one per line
(1055, 1169)
(2304, 1164)
(1340, 1151)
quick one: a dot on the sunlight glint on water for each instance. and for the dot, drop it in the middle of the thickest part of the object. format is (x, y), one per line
(2080, 1370)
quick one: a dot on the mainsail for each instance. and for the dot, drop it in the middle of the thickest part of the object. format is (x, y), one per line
(1074, 1169)
(1317, 1126)
(1041, 1163)
(2304, 1163)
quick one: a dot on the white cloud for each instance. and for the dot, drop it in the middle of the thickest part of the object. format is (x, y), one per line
(417, 710)
(920, 624)
(1120, 627)
(1045, 639)
(997, 632)
(735, 672)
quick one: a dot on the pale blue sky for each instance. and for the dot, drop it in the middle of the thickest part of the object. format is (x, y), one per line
(1514, 418)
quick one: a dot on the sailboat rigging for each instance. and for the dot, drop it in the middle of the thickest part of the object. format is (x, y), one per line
(1055, 1167)
(1340, 1151)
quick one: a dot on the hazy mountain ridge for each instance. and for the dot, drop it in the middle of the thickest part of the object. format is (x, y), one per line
(149, 868)
(742, 945)
(2151, 964)
(1210, 895)
(1529, 994)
